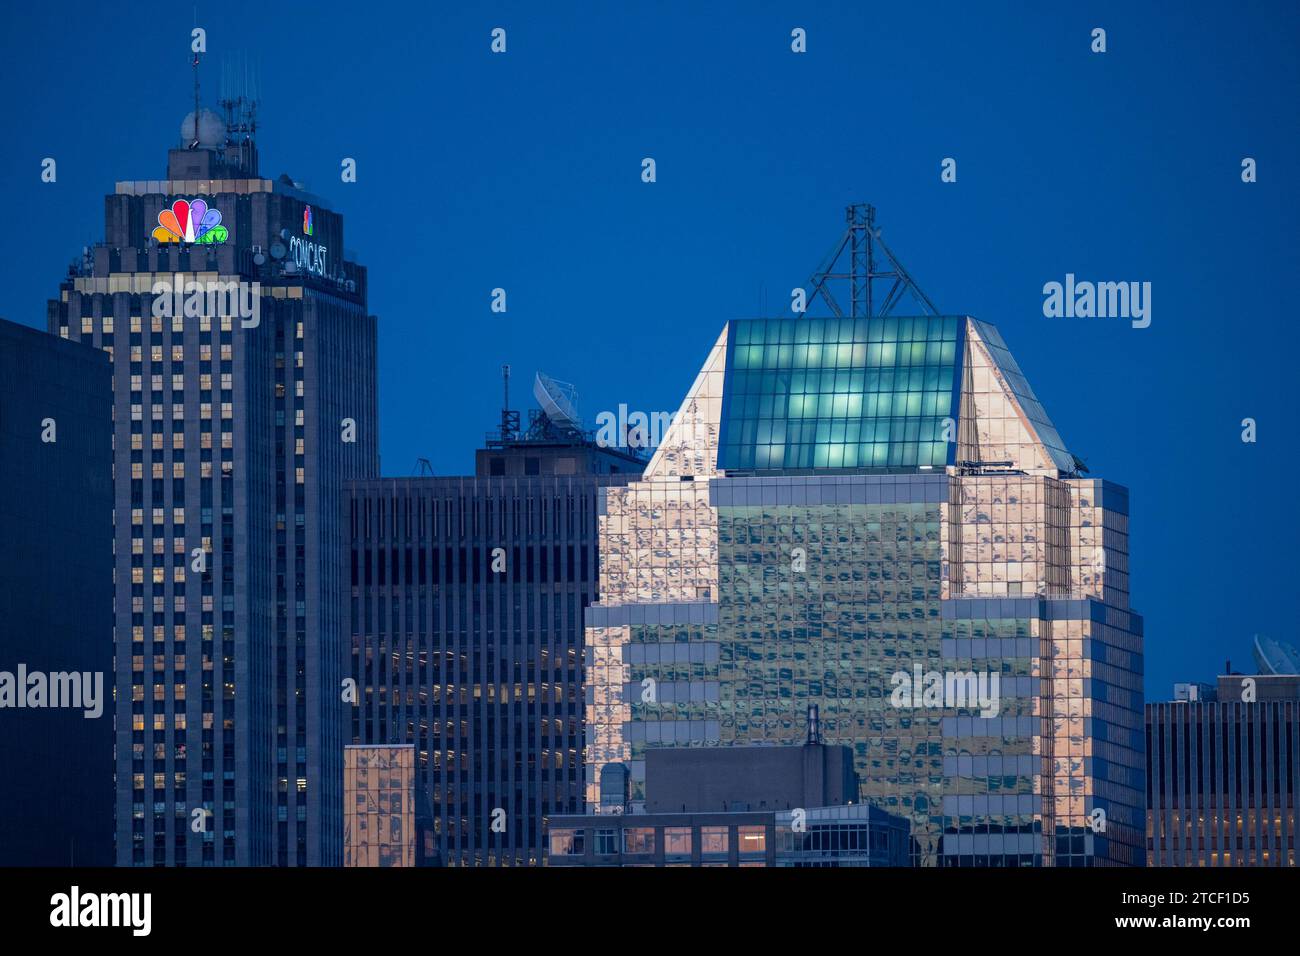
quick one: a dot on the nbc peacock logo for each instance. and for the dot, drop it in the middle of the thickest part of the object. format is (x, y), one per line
(190, 221)
(306, 220)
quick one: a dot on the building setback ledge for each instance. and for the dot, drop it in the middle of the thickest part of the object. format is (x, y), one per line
(813, 490)
(1022, 608)
(692, 612)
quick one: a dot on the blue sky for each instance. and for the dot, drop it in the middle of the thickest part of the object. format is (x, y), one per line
(522, 171)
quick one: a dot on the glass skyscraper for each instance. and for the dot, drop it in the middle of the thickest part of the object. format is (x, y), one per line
(243, 361)
(877, 516)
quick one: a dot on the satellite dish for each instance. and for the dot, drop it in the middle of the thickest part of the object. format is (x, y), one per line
(557, 400)
(1276, 657)
(259, 259)
(278, 251)
(210, 132)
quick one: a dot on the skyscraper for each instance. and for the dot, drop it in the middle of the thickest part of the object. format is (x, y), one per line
(243, 396)
(467, 601)
(56, 612)
(876, 515)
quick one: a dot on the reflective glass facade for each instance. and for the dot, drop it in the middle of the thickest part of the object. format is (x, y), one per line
(735, 594)
(379, 794)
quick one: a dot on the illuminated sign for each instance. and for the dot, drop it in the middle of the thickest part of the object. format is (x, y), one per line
(190, 221)
(306, 220)
(308, 255)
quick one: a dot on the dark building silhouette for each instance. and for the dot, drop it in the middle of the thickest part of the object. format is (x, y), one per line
(757, 805)
(56, 602)
(467, 640)
(751, 778)
(244, 395)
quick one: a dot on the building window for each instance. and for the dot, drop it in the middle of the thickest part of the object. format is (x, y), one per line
(532, 466)
(496, 467)
(677, 841)
(751, 840)
(713, 841)
(639, 840)
(606, 842)
(567, 843)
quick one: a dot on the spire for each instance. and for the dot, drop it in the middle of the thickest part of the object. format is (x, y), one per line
(194, 132)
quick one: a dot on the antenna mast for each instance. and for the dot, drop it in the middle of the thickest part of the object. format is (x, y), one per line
(862, 236)
(509, 419)
(194, 138)
(239, 100)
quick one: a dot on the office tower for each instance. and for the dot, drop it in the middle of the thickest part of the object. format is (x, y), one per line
(379, 806)
(876, 515)
(243, 396)
(56, 602)
(1223, 771)
(467, 600)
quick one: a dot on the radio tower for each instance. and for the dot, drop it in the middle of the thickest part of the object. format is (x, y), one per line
(862, 236)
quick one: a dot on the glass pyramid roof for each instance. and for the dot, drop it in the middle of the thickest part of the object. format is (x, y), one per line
(884, 393)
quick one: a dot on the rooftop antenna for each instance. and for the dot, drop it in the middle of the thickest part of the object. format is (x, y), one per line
(194, 138)
(240, 94)
(862, 236)
(240, 97)
(509, 419)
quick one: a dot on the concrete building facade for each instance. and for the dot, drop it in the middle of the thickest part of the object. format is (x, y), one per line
(467, 595)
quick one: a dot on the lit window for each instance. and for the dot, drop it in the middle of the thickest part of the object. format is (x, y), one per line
(751, 839)
(566, 842)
